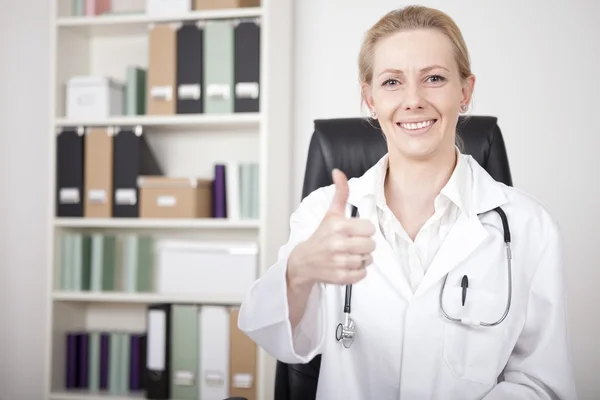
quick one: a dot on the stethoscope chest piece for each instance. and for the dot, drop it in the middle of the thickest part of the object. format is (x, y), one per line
(345, 332)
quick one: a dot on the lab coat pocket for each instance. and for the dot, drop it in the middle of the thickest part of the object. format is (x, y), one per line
(472, 352)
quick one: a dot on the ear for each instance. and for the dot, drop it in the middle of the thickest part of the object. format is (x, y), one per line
(467, 90)
(367, 96)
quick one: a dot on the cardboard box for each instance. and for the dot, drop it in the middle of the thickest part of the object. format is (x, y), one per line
(94, 97)
(169, 197)
(223, 4)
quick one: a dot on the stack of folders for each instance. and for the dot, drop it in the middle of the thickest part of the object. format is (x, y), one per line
(235, 191)
(90, 7)
(91, 262)
(207, 67)
(106, 361)
(188, 352)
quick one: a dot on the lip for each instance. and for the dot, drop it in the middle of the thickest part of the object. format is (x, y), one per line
(416, 132)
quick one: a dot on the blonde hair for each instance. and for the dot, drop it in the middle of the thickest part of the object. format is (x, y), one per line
(412, 17)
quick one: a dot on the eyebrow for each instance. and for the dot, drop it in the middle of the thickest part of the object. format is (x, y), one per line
(426, 69)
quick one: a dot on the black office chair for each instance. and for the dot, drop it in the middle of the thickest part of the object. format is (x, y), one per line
(354, 145)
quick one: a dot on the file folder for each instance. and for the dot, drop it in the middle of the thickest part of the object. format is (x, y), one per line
(218, 56)
(70, 172)
(214, 352)
(247, 66)
(190, 71)
(132, 158)
(98, 172)
(184, 356)
(162, 69)
(242, 367)
(158, 352)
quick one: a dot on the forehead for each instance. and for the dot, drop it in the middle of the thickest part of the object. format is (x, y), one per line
(412, 50)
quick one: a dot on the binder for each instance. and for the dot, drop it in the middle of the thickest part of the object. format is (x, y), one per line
(214, 352)
(137, 263)
(190, 68)
(247, 66)
(94, 362)
(184, 356)
(135, 90)
(103, 257)
(98, 172)
(69, 172)
(218, 74)
(242, 356)
(83, 354)
(158, 352)
(132, 158)
(161, 69)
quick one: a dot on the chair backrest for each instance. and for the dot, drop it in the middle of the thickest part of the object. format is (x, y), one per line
(354, 145)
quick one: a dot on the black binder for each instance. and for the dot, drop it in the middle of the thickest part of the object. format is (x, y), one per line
(247, 66)
(132, 158)
(70, 172)
(158, 381)
(190, 71)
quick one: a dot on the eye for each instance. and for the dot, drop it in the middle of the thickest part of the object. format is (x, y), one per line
(390, 82)
(436, 79)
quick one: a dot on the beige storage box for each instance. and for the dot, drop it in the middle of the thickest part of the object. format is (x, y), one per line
(168, 197)
(222, 4)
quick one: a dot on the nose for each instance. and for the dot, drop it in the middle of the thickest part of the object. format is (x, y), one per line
(413, 98)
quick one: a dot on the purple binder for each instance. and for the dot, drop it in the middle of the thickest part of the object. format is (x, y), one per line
(71, 375)
(134, 364)
(83, 360)
(219, 203)
(104, 354)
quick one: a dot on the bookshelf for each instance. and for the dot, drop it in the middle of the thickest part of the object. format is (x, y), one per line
(188, 144)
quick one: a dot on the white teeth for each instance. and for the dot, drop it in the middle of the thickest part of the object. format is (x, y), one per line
(418, 125)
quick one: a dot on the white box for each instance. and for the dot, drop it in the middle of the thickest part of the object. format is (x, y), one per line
(94, 97)
(206, 268)
(168, 7)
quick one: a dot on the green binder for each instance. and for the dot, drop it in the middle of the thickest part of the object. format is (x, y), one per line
(94, 362)
(66, 270)
(80, 262)
(114, 363)
(138, 263)
(135, 91)
(103, 262)
(184, 352)
(219, 67)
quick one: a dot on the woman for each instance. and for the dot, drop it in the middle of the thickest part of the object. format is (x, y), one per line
(426, 221)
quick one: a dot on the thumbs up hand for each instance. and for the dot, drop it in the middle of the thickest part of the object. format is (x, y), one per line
(339, 250)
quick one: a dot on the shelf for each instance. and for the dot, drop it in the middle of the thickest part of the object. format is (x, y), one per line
(170, 121)
(85, 395)
(145, 298)
(137, 23)
(159, 223)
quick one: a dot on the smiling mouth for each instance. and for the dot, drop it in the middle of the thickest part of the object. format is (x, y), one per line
(417, 125)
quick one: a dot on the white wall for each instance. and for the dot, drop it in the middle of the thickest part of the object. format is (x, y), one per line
(24, 133)
(536, 64)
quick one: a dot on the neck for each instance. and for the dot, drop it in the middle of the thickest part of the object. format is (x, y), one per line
(414, 184)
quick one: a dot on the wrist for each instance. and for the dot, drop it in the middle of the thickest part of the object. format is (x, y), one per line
(296, 278)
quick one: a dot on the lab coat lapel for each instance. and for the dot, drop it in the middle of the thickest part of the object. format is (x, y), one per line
(464, 238)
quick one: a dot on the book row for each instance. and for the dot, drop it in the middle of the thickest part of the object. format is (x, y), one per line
(131, 263)
(106, 172)
(187, 352)
(205, 67)
(159, 7)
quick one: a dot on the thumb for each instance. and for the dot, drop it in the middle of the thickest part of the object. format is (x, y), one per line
(342, 191)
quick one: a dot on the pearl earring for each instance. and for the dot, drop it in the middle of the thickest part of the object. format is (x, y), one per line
(464, 108)
(373, 114)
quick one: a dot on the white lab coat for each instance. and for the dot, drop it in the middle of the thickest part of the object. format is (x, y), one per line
(404, 348)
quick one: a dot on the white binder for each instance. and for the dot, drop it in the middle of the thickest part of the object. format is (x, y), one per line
(214, 353)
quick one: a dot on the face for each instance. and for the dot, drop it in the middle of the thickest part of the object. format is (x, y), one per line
(417, 93)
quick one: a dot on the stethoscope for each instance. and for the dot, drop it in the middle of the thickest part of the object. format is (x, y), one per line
(345, 331)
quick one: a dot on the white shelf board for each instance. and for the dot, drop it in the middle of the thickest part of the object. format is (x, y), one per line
(86, 395)
(137, 23)
(155, 223)
(169, 121)
(146, 298)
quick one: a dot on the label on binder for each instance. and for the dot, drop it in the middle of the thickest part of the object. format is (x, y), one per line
(189, 92)
(216, 90)
(214, 378)
(242, 381)
(69, 196)
(125, 197)
(183, 378)
(97, 196)
(247, 90)
(166, 201)
(162, 92)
